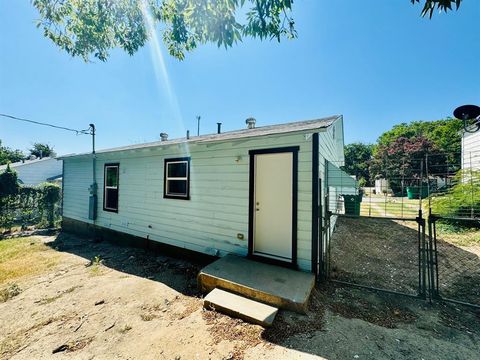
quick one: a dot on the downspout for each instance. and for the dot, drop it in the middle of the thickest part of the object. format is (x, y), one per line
(93, 187)
(315, 203)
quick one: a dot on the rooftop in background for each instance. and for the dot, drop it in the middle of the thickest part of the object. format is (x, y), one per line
(232, 135)
(25, 162)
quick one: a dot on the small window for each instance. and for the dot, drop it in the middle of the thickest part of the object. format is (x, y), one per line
(176, 183)
(110, 191)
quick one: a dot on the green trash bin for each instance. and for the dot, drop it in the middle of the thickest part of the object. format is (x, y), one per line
(352, 204)
(414, 192)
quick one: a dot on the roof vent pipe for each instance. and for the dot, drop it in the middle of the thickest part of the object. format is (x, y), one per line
(163, 136)
(250, 123)
(219, 128)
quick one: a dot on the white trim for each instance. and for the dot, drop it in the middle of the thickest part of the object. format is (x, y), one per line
(183, 178)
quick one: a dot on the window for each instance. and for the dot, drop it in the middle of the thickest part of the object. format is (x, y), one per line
(176, 183)
(110, 191)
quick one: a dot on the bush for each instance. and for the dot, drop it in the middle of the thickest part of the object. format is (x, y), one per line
(31, 205)
(462, 200)
(50, 197)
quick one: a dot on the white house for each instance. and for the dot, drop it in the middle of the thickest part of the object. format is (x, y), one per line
(35, 172)
(471, 150)
(255, 192)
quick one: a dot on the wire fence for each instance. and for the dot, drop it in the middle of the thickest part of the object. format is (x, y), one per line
(414, 229)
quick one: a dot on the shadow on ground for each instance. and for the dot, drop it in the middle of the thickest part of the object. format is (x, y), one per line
(176, 273)
(341, 322)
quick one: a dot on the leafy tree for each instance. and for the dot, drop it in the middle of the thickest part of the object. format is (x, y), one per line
(431, 5)
(357, 161)
(91, 28)
(42, 150)
(8, 155)
(444, 135)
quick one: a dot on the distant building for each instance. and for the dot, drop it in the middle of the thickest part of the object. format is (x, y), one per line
(35, 172)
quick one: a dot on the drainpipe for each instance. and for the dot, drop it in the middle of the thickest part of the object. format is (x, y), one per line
(93, 188)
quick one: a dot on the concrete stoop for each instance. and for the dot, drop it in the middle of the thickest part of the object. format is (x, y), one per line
(268, 284)
(240, 307)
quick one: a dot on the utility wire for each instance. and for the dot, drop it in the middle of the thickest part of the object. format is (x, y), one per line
(78, 132)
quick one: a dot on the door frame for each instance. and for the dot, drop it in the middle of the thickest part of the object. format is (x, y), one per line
(251, 204)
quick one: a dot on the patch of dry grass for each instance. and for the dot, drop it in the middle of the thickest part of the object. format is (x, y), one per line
(25, 256)
(465, 238)
(9, 292)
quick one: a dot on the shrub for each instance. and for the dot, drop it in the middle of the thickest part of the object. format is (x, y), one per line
(463, 199)
(50, 196)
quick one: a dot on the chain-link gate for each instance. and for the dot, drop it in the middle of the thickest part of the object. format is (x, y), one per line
(415, 232)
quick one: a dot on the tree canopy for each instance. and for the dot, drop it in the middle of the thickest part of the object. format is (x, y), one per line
(8, 155)
(399, 152)
(357, 161)
(42, 150)
(92, 28)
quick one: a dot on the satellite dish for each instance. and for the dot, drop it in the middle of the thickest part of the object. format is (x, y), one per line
(467, 112)
(470, 114)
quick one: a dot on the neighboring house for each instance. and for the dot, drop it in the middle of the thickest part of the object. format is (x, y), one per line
(35, 172)
(252, 192)
(471, 150)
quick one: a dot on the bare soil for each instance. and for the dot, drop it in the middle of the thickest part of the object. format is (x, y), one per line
(103, 301)
(383, 253)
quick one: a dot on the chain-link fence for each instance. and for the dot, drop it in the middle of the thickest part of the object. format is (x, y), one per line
(413, 228)
(377, 253)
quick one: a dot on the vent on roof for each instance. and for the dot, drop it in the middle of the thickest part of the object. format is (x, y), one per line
(250, 123)
(163, 136)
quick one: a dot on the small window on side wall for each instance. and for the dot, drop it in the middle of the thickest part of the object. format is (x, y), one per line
(110, 190)
(176, 184)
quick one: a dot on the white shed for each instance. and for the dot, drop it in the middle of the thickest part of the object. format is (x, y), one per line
(254, 192)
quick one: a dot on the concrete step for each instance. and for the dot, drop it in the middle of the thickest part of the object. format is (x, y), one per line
(240, 307)
(273, 285)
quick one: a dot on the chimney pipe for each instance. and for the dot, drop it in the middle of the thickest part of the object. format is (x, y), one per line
(250, 123)
(219, 128)
(163, 136)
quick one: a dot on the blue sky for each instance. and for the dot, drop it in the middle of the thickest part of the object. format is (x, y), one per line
(376, 62)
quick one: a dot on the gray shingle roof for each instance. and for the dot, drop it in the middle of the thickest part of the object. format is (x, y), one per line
(231, 135)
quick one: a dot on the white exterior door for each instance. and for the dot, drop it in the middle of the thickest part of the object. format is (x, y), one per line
(273, 191)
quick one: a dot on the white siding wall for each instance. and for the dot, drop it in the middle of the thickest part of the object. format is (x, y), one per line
(218, 208)
(471, 150)
(38, 172)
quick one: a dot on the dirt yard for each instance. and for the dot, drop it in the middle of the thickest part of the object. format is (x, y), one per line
(383, 253)
(62, 297)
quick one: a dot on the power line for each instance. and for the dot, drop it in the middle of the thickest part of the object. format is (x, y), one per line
(78, 132)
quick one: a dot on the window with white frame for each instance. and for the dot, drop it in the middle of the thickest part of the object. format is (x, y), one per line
(110, 191)
(176, 183)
